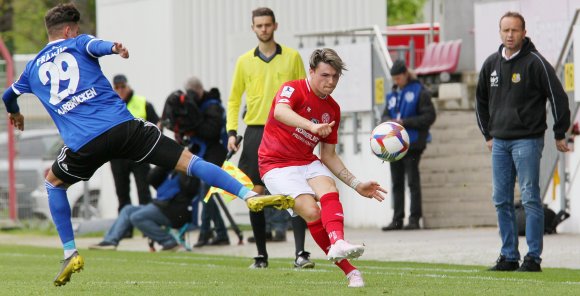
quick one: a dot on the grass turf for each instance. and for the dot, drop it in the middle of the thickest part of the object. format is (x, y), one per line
(30, 270)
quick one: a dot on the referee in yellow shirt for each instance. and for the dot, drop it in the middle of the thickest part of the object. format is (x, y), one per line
(259, 73)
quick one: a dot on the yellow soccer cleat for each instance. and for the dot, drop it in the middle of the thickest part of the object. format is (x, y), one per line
(278, 201)
(72, 264)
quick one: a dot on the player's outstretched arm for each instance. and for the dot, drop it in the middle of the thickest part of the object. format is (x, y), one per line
(121, 50)
(332, 161)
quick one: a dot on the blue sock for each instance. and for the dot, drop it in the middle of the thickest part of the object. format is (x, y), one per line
(214, 176)
(61, 215)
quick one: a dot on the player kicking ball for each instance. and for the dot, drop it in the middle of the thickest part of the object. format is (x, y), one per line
(94, 123)
(303, 114)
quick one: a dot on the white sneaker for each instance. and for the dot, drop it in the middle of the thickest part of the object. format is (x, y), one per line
(344, 250)
(355, 279)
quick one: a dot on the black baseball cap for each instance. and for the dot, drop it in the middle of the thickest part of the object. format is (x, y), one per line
(120, 78)
(399, 67)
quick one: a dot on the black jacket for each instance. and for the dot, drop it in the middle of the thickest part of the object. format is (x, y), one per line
(511, 96)
(177, 209)
(210, 127)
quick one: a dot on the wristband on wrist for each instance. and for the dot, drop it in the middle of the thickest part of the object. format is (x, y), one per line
(354, 182)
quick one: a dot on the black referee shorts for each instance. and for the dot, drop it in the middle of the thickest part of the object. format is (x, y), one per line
(136, 140)
(249, 158)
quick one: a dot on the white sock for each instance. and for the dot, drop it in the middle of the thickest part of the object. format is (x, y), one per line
(68, 253)
(249, 194)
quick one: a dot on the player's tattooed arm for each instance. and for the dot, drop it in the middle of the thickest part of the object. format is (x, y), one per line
(348, 178)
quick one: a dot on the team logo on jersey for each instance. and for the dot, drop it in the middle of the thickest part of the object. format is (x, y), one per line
(325, 118)
(516, 78)
(392, 103)
(308, 109)
(409, 96)
(287, 91)
(494, 79)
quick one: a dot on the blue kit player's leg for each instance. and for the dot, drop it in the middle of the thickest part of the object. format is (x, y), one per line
(214, 176)
(61, 216)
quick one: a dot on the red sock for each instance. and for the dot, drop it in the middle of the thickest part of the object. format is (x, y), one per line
(319, 235)
(332, 216)
(321, 238)
(345, 266)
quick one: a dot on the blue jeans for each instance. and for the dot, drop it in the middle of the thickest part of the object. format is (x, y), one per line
(276, 220)
(521, 158)
(148, 219)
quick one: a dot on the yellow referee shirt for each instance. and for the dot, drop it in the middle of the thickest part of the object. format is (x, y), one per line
(260, 80)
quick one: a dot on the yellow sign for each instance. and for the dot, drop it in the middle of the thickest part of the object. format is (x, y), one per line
(569, 76)
(379, 91)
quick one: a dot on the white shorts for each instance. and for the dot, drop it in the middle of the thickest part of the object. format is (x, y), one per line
(292, 180)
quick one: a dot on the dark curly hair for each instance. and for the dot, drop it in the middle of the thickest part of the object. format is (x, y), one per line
(61, 15)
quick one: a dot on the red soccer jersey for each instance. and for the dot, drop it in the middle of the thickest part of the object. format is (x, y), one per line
(283, 145)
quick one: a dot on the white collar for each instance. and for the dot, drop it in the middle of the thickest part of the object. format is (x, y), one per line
(504, 55)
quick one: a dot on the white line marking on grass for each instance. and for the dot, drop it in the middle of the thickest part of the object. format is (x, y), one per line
(424, 269)
(484, 278)
(25, 255)
(435, 269)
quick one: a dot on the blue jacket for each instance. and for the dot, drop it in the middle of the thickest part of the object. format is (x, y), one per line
(413, 106)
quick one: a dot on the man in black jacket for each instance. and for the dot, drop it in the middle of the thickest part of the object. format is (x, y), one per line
(514, 84)
(409, 104)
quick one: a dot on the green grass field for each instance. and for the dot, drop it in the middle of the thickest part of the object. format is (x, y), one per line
(30, 270)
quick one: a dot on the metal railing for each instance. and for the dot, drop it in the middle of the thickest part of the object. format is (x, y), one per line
(379, 34)
(551, 158)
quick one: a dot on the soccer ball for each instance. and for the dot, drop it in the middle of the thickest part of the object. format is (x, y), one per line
(389, 141)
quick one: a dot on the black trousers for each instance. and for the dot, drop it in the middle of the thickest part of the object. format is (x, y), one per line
(409, 167)
(122, 169)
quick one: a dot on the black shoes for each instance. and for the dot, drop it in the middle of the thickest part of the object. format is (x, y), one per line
(413, 225)
(303, 260)
(200, 243)
(259, 262)
(212, 242)
(219, 242)
(204, 239)
(398, 225)
(530, 265)
(503, 265)
(395, 225)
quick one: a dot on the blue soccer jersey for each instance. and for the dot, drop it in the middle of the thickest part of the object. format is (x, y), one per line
(66, 76)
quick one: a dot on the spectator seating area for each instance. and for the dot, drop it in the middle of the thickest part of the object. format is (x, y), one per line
(440, 57)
